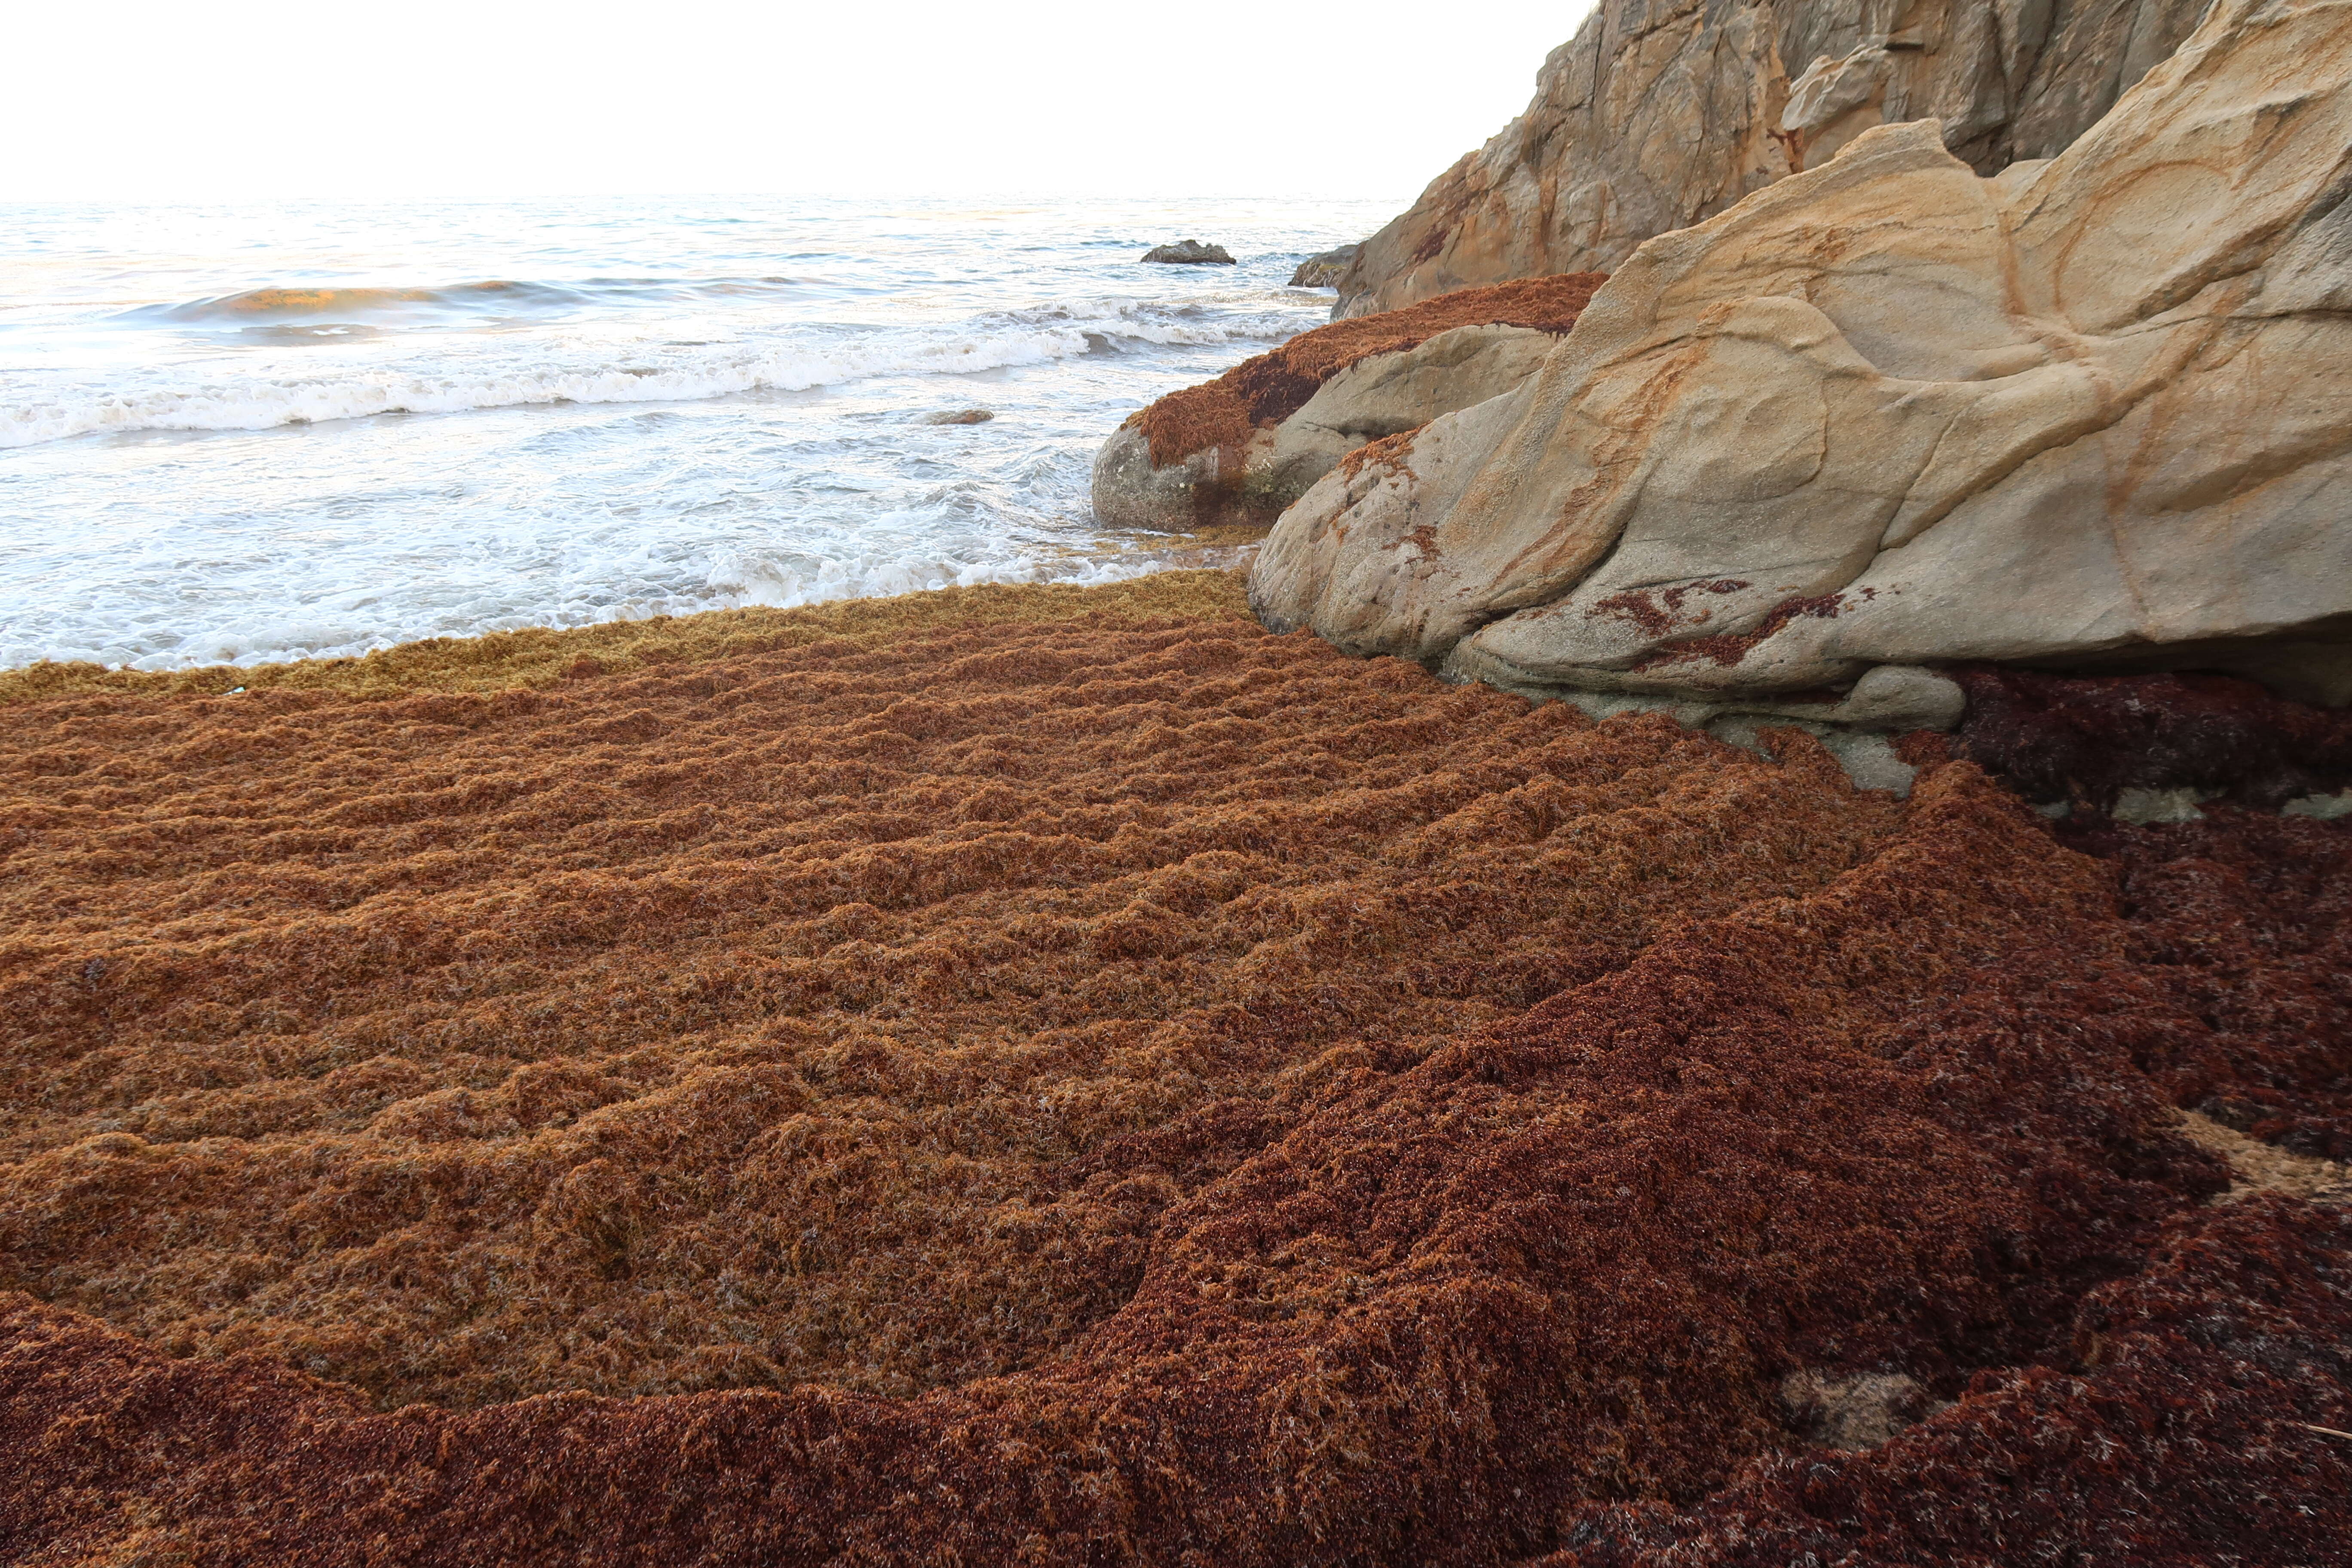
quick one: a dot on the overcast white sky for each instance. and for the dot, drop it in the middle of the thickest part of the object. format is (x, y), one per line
(192, 99)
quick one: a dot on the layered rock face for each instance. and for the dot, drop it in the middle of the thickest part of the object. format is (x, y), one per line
(2092, 414)
(1235, 451)
(1660, 113)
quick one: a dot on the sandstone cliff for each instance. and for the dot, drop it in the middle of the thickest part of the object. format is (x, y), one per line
(1661, 113)
(2094, 413)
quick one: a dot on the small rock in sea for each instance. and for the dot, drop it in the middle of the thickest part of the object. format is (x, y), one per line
(1191, 251)
(959, 416)
(1325, 271)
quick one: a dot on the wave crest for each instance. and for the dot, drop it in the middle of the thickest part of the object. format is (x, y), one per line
(346, 304)
(654, 373)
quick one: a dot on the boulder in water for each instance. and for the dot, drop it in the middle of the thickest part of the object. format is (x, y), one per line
(1188, 253)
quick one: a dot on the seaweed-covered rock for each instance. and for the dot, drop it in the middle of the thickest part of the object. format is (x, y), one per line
(1188, 253)
(1380, 395)
(1238, 449)
(1655, 117)
(2094, 413)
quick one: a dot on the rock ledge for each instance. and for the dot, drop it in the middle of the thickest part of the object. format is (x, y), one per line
(2093, 415)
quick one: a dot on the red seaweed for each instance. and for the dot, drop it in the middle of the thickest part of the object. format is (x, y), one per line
(1530, 1103)
(2087, 739)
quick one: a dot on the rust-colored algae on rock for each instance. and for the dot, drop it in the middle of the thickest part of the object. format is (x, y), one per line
(1281, 1108)
(1389, 452)
(2189, 1425)
(1270, 387)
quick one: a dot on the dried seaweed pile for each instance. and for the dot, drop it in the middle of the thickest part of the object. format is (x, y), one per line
(1267, 388)
(1285, 1111)
(544, 655)
(775, 1019)
(2246, 922)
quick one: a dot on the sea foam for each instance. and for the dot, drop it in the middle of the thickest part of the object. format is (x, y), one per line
(463, 377)
(600, 410)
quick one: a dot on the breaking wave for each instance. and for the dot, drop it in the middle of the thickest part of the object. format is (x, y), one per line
(592, 410)
(346, 304)
(488, 299)
(469, 377)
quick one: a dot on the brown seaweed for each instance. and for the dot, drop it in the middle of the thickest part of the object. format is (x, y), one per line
(2188, 1427)
(1264, 1108)
(2086, 738)
(775, 1018)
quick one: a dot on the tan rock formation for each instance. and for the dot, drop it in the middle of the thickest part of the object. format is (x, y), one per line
(2095, 413)
(1236, 450)
(1664, 112)
(1382, 396)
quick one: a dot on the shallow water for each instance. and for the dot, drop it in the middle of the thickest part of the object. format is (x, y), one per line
(255, 434)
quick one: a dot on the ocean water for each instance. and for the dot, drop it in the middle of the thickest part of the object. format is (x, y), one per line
(251, 433)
